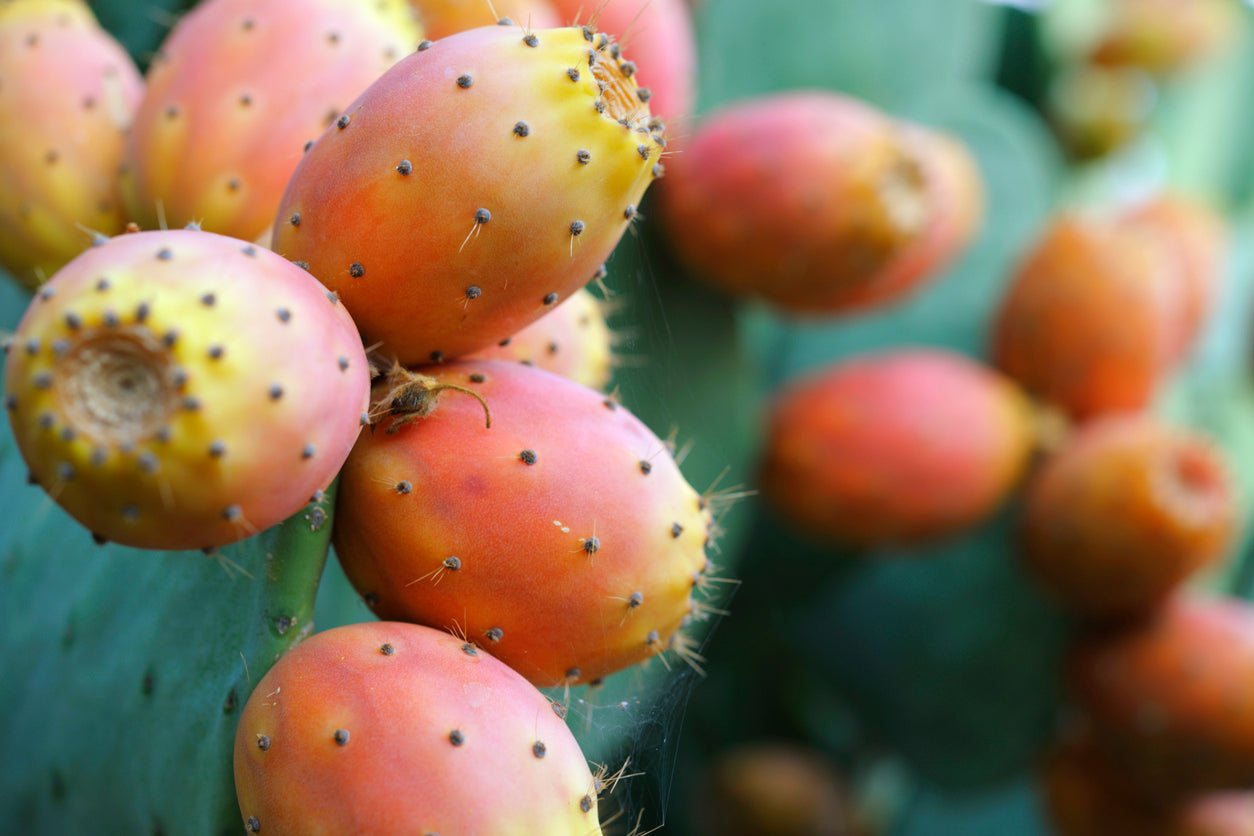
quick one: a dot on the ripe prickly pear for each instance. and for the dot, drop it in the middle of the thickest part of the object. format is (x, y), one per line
(1124, 511)
(236, 90)
(1085, 795)
(563, 538)
(441, 18)
(68, 95)
(572, 340)
(392, 728)
(1094, 316)
(1167, 697)
(180, 389)
(904, 446)
(817, 202)
(475, 184)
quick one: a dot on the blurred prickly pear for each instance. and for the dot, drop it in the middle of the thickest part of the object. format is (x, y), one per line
(69, 93)
(1100, 310)
(900, 447)
(1124, 511)
(817, 202)
(236, 91)
(392, 728)
(180, 389)
(562, 537)
(1167, 696)
(483, 178)
(1085, 795)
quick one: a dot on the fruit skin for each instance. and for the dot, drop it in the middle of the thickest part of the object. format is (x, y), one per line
(69, 94)
(1124, 511)
(180, 389)
(818, 203)
(441, 18)
(660, 37)
(1167, 697)
(902, 446)
(452, 209)
(236, 90)
(1090, 320)
(563, 538)
(573, 340)
(392, 728)
(1084, 795)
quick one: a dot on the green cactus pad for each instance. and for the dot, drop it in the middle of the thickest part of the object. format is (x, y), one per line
(125, 671)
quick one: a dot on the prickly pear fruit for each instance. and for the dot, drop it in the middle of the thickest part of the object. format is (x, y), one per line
(180, 389)
(817, 202)
(1091, 320)
(562, 537)
(1164, 36)
(1124, 511)
(69, 93)
(903, 446)
(659, 35)
(236, 91)
(572, 340)
(441, 18)
(1084, 795)
(473, 186)
(774, 788)
(1168, 697)
(391, 728)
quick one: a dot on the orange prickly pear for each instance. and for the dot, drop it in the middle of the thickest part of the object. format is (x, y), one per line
(480, 180)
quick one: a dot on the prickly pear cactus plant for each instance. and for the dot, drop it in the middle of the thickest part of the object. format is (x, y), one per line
(930, 674)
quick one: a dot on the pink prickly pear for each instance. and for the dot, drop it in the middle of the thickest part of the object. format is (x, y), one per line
(441, 18)
(68, 95)
(236, 91)
(477, 183)
(391, 728)
(573, 340)
(180, 389)
(562, 537)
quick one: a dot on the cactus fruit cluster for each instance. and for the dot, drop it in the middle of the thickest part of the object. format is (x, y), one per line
(377, 378)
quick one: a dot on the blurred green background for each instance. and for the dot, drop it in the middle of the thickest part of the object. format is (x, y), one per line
(928, 675)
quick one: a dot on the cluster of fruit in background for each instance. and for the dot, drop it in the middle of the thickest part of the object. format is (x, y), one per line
(361, 361)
